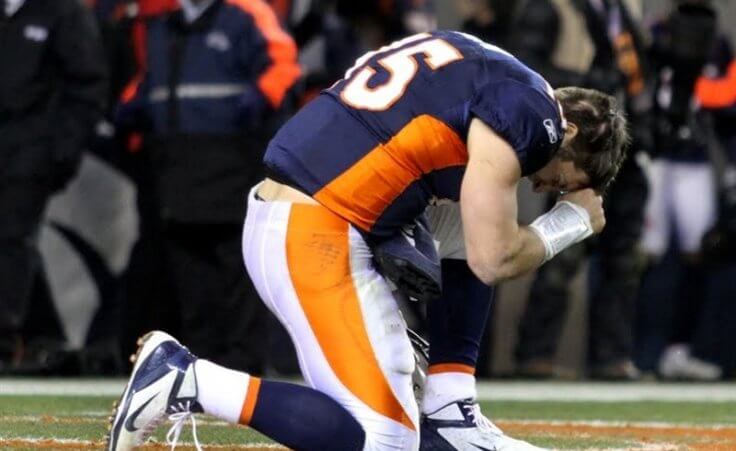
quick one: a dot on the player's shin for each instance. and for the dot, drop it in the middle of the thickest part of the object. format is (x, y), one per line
(293, 415)
(457, 321)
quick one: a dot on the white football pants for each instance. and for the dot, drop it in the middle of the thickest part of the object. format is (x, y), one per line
(681, 195)
(315, 273)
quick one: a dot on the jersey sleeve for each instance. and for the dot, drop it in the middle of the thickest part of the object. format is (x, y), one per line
(526, 118)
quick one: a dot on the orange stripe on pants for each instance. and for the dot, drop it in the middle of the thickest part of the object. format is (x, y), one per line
(318, 256)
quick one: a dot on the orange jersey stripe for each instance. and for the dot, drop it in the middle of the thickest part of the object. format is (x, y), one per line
(451, 368)
(284, 70)
(249, 404)
(718, 92)
(318, 256)
(366, 189)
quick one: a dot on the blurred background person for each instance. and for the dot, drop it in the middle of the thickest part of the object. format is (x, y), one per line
(682, 205)
(216, 75)
(596, 44)
(490, 20)
(332, 34)
(717, 94)
(52, 91)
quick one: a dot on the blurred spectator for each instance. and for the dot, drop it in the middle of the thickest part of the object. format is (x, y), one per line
(683, 198)
(147, 301)
(52, 89)
(597, 44)
(379, 21)
(492, 20)
(215, 73)
(332, 34)
(328, 43)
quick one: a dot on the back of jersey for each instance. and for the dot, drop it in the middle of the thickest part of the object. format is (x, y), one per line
(389, 138)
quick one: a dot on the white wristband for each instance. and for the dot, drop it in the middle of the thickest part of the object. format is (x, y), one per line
(564, 225)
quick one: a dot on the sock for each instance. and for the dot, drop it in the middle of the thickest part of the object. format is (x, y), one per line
(221, 392)
(295, 416)
(443, 388)
(457, 319)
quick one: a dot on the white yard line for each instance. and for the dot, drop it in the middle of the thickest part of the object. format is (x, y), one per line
(618, 424)
(88, 443)
(605, 392)
(487, 391)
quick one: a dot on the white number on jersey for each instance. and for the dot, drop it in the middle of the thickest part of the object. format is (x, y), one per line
(402, 68)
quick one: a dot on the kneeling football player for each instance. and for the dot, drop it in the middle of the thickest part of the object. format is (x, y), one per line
(437, 115)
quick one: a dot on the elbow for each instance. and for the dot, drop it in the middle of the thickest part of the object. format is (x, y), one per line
(490, 271)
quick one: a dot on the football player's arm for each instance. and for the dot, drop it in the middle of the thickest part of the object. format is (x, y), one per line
(497, 247)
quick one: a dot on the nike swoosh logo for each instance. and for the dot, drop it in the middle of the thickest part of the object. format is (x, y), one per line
(130, 422)
(482, 448)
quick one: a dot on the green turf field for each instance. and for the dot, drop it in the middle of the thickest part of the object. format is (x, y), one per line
(80, 422)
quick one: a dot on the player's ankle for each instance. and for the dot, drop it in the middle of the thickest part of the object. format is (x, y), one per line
(445, 387)
(220, 391)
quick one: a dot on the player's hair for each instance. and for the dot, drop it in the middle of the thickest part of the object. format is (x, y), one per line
(600, 146)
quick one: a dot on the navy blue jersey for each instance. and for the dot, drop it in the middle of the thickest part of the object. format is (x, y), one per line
(388, 139)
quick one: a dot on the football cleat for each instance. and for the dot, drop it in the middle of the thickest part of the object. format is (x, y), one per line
(461, 426)
(162, 384)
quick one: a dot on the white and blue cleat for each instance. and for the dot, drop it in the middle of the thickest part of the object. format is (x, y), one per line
(461, 426)
(162, 385)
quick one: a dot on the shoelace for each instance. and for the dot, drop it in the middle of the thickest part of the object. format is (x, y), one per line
(480, 420)
(181, 414)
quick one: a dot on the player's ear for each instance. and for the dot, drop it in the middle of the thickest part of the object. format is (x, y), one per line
(571, 131)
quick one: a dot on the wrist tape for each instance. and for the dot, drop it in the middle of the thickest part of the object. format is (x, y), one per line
(564, 225)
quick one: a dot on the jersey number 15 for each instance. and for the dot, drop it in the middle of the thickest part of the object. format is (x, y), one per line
(402, 67)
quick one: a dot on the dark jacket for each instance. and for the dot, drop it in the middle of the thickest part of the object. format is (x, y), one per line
(533, 39)
(619, 65)
(206, 88)
(52, 88)
(686, 46)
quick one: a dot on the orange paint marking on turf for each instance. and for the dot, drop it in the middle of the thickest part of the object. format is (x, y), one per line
(693, 437)
(686, 437)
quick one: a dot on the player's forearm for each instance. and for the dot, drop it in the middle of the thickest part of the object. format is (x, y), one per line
(523, 253)
(517, 250)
